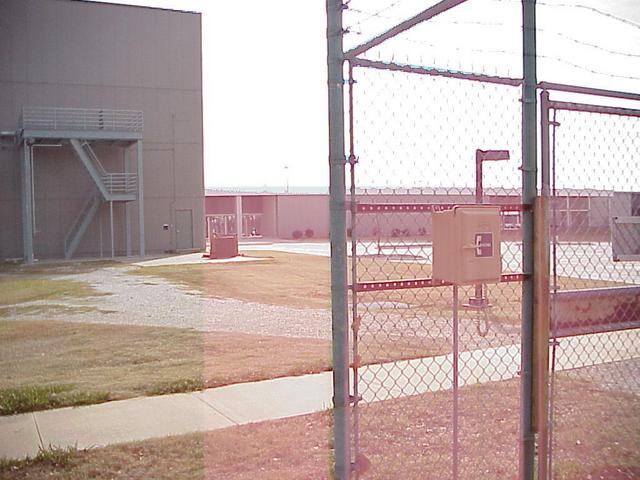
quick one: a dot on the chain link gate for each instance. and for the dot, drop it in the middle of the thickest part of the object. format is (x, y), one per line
(594, 220)
(440, 382)
(406, 375)
(435, 367)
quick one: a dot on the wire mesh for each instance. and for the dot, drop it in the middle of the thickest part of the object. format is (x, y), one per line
(595, 390)
(415, 138)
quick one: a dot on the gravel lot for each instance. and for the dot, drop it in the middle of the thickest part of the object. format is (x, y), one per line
(141, 300)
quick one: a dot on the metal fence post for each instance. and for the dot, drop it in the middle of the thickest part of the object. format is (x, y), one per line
(338, 240)
(541, 291)
(529, 190)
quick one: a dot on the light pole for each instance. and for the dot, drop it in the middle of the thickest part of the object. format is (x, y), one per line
(479, 300)
(286, 173)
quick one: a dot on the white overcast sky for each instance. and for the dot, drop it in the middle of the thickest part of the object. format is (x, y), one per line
(264, 69)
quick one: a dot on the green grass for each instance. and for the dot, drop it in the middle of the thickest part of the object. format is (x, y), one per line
(48, 309)
(30, 398)
(52, 456)
(177, 386)
(57, 267)
(21, 289)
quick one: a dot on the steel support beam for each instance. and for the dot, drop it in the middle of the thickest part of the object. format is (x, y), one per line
(582, 107)
(27, 202)
(435, 72)
(139, 168)
(562, 87)
(529, 191)
(338, 241)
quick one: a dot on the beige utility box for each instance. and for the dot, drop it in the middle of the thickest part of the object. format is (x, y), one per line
(466, 245)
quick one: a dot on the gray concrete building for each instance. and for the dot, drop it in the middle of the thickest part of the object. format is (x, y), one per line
(101, 148)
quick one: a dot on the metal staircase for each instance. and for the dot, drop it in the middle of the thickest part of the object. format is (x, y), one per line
(80, 225)
(112, 186)
(82, 128)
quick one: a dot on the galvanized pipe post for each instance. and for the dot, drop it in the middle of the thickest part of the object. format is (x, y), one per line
(27, 202)
(455, 354)
(479, 200)
(529, 190)
(355, 318)
(481, 302)
(338, 241)
(541, 291)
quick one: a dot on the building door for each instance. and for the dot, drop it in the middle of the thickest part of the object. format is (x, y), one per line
(184, 229)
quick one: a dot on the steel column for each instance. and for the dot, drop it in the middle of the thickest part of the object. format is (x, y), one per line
(100, 231)
(529, 190)
(142, 247)
(239, 216)
(127, 211)
(338, 241)
(113, 248)
(27, 203)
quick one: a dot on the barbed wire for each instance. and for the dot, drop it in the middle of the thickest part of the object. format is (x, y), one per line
(564, 36)
(579, 5)
(501, 24)
(511, 52)
(373, 14)
(593, 9)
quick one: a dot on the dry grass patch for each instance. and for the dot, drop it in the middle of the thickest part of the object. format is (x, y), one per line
(128, 361)
(405, 438)
(289, 279)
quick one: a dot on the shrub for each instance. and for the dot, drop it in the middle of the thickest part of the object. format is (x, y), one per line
(297, 234)
(308, 233)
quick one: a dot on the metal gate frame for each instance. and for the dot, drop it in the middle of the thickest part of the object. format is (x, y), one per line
(549, 327)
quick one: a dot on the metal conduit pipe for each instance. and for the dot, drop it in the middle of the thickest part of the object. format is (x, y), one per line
(9, 134)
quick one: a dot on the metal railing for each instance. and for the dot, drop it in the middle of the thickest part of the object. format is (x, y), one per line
(121, 183)
(85, 119)
(114, 183)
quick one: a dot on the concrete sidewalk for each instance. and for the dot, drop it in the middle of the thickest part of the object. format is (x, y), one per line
(153, 417)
